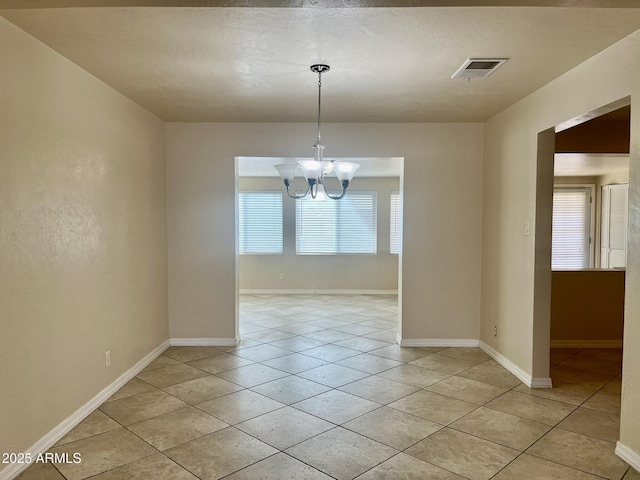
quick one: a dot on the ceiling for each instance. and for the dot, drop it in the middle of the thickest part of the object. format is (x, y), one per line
(228, 64)
(589, 165)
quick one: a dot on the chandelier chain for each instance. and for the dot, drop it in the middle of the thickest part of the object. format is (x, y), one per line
(319, 101)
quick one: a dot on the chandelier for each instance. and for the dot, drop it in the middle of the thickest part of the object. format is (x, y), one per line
(316, 171)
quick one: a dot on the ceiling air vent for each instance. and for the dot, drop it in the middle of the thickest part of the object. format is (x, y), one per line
(478, 67)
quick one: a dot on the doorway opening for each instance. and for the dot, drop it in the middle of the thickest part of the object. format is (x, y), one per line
(579, 294)
(302, 279)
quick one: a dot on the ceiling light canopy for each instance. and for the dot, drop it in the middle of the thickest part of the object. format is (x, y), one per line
(316, 171)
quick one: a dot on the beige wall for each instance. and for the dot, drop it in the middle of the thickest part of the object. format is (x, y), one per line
(509, 201)
(82, 237)
(574, 180)
(630, 415)
(440, 262)
(613, 178)
(323, 272)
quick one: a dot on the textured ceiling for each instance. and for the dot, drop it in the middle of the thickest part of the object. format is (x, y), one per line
(387, 64)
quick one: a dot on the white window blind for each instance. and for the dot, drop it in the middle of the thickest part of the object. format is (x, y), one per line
(571, 225)
(333, 227)
(260, 222)
(394, 234)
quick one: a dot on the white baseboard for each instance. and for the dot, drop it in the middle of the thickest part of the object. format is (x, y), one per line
(51, 438)
(302, 291)
(523, 376)
(628, 455)
(436, 342)
(586, 343)
(541, 382)
(204, 342)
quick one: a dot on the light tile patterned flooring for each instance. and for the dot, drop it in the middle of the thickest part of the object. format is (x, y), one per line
(318, 389)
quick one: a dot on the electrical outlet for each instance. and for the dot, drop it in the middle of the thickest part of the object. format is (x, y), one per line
(107, 359)
(282, 276)
(495, 330)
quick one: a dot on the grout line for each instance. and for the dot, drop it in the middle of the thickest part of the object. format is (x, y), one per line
(350, 336)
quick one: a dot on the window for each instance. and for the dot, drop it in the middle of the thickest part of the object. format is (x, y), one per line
(394, 233)
(260, 222)
(332, 227)
(571, 228)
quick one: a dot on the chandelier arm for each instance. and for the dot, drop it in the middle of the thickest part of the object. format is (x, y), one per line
(345, 185)
(296, 196)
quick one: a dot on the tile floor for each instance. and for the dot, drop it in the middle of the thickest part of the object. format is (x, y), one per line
(318, 389)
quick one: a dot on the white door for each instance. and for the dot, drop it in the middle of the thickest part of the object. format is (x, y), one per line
(614, 226)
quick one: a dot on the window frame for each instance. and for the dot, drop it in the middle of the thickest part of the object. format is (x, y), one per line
(591, 189)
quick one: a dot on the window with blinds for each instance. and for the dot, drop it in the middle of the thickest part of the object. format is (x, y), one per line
(260, 222)
(571, 228)
(346, 226)
(394, 233)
